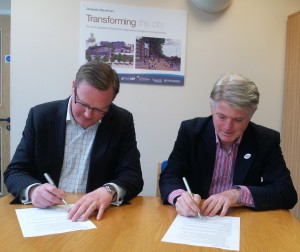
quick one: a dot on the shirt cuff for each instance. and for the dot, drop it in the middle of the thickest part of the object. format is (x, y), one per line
(245, 198)
(174, 194)
(24, 194)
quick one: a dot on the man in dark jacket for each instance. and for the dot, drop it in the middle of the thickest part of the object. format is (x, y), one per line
(227, 159)
(85, 143)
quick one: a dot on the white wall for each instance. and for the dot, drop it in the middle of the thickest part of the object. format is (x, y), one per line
(249, 38)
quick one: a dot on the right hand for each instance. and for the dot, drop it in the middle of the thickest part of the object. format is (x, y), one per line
(97, 200)
(187, 206)
(46, 195)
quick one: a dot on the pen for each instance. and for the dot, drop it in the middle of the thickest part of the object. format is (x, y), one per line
(190, 192)
(49, 179)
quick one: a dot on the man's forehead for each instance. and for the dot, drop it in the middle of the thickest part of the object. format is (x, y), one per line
(231, 112)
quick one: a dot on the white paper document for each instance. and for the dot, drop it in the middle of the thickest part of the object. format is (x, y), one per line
(51, 220)
(215, 232)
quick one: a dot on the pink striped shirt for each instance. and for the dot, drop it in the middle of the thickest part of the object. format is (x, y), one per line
(222, 179)
(223, 173)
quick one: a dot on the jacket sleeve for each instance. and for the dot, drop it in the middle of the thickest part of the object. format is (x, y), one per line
(276, 190)
(18, 173)
(171, 176)
(128, 167)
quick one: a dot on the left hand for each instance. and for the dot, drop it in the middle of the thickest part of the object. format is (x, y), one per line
(98, 199)
(220, 202)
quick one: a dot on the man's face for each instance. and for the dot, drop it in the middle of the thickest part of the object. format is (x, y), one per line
(230, 123)
(91, 104)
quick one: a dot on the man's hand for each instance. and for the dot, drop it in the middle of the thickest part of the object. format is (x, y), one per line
(83, 208)
(187, 206)
(220, 202)
(46, 195)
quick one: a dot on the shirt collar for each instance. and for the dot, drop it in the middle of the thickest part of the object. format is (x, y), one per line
(236, 143)
(68, 118)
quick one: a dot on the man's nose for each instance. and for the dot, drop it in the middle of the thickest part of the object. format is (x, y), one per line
(88, 112)
(228, 124)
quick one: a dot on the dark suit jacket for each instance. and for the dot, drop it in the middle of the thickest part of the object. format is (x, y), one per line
(264, 173)
(114, 156)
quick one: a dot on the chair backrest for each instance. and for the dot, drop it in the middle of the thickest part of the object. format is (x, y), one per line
(164, 165)
(160, 167)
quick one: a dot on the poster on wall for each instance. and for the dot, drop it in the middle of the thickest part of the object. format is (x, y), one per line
(143, 45)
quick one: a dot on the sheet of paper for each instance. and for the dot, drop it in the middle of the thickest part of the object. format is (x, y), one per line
(51, 220)
(216, 232)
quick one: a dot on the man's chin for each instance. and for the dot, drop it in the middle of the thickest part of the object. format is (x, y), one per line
(86, 123)
(227, 139)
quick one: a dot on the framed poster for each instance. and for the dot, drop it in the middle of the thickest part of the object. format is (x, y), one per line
(143, 45)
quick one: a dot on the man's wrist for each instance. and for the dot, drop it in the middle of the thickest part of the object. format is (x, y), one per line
(25, 194)
(31, 190)
(238, 189)
(173, 195)
(112, 190)
(175, 200)
(245, 198)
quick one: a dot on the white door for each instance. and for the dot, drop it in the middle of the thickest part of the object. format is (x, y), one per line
(4, 97)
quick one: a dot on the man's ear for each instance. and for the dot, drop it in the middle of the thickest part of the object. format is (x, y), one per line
(211, 107)
(73, 88)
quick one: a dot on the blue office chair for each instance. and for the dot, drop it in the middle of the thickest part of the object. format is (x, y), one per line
(161, 167)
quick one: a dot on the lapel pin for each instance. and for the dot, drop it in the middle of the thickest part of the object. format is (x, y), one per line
(247, 156)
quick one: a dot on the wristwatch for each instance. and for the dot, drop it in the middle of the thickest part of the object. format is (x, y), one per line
(112, 190)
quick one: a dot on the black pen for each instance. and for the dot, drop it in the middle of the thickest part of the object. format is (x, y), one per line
(50, 181)
(190, 192)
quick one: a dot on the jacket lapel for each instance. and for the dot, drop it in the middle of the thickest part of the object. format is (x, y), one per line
(209, 151)
(102, 139)
(245, 157)
(59, 125)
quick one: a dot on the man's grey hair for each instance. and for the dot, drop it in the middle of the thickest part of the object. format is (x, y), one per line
(237, 91)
